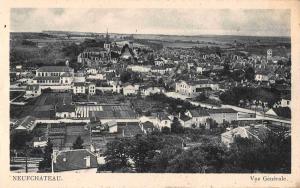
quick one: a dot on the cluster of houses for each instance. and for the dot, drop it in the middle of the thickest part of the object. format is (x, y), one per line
(182, 70)
(198, 118)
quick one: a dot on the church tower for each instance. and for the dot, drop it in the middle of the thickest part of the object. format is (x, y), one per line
(107, 42)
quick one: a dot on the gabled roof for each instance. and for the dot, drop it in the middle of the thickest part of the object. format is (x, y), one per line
(257, 132)
(221, 110)
(66, 74)
(131, 130)
(283, 112)
(111, 123)
(79, 84)
(199, 113)
(185, 118)
(148, 125)
(55, 69)
(201, 81)
(73, 160)
(28, 122)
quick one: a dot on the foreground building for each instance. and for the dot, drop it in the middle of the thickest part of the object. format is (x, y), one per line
(194, 87)
(54, 76)
(256, 132)
(70, 160)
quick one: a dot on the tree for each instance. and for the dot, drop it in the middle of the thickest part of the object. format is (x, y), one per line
(271, 155)
(78, 143)
(191, 161)
(117, 155)
(142, 150)
(162, 159)
(249, 74)
(19, 139)
(176, 127)
(201, 97)
(46, 163)
(165, 130)
(125, 77)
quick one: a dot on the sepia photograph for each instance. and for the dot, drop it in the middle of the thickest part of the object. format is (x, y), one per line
(150, 90)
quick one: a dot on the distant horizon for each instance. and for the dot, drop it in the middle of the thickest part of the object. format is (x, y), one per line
(180, 22)
(154, 34)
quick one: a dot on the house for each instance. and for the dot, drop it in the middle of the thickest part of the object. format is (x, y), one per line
(148, 127)
(19, 67)
(112, 126)
(54, 75)
(129, 89)
(164, 120)
(158, 119)
(160, 61)
(33, 90)
(65, 111)
(79, 88)
(79, 77)
(261, 76)
(69, 160)
(186, 121)
(146, 90)
(284, 112)
(199, 69)
(91, 71)
(255, 132)
(159, 70)
(131, 130)
(97, 76)
(39, 141)
(194, 87)
(223, 115)
(116, 86)
(92, 88)
(286, 101)
(139, 68)
(198, 116)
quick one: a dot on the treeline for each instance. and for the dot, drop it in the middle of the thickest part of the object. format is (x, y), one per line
(236, 94)
(159, 153)
(173, 105)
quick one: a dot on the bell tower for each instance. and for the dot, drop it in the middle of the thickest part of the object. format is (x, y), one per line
(107, 42)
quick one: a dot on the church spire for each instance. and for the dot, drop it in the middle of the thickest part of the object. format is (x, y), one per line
(107, 36)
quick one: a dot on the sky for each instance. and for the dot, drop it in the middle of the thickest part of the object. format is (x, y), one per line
(253, 22)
